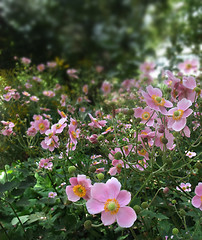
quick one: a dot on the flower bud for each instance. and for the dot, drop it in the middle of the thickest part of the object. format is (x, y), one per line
(144, 205)
(71, 169)
(175, 231)
(197, 90)
(138, 120)
(137, 208)
(118, 156)
(100, 138)
(100, 176)
(166, 190)
(87, 224)
(164, 140)
(174, 202)
(182, 212)
(130, 112)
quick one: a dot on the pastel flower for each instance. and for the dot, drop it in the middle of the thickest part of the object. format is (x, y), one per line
(197, 200)
(154, 99)
(79, 188)
(106, 87)
(58, 127)
(95, 123)
(159, 141)
(40, 67)
(85, 89)
(147, 115)
(147, 67)
(178, 115)
(51, 64)
(109, 200)
(34, 98)
(118, 165)
(189, 65)
(142, 165)
(52, 194)
(71, 73)
(190, 154)
(42, 125)
(73, 133)
(25, 60)
(185, 186)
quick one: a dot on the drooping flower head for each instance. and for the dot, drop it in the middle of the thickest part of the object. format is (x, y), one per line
(109, 200)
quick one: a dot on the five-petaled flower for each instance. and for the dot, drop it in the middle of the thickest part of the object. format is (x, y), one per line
(111, 201)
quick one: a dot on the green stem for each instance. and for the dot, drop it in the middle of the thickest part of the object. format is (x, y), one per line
(133, 232)
(4, 231)
(55, 188)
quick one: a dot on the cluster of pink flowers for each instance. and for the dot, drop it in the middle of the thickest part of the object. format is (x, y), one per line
(8, 128)
(49, 93)
(46, 163)
(107, 199)
(11, 93)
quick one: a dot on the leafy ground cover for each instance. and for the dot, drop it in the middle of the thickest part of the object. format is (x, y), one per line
(87, 158)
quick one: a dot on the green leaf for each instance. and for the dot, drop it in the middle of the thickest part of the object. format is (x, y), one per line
(8, 186)
(35, 217)
(23, 219)
(161, 216)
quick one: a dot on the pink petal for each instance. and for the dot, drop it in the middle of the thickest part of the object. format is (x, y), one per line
(108, 218)
(154, 91)
(100, 192)
(138, 112)
(198, 189)
(124, 198)
(94, 206)
(184, 104)
(114, 187)
(196, 201)
(73, 181)
(189, 82)
(126, 217)
(187, 113)
(171, 111)
(113, 171)
(168, 104)
(71, 195)
(179, 125)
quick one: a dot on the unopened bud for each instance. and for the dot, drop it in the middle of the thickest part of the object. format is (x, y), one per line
(87, 224)
(100, 176)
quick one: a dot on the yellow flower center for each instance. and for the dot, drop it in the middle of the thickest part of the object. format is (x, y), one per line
(112, 206)
(41, 126)
(119, 166)
(201, 198)
(145, 116)
(188, 66)
(79, 190)
(58, 126)
(142, 152)
(73, 134)
(177, 115)
(158, 100)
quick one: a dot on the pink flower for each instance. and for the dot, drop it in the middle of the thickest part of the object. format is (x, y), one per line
(40, 67)
(34, 98)
(111, 201)
(159, 141)
(147, 67)
(49, 93)
(71, 73)
(93, 138)
(118, 165)
(142, 165)
(185, 186)
(45, 163)
(178, 115)
(73, 133)
(197, 200)
(58, 127)
(154, 99)
(95, 123)
(79, 188)
(189, 65)
(147, 115)
(106, 87)
(190, 154)
(51, 64)
(52, 194)
(25, 60)
(85, 89)
(42, 125)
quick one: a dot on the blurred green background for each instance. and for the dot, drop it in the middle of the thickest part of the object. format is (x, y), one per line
(98, 32)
